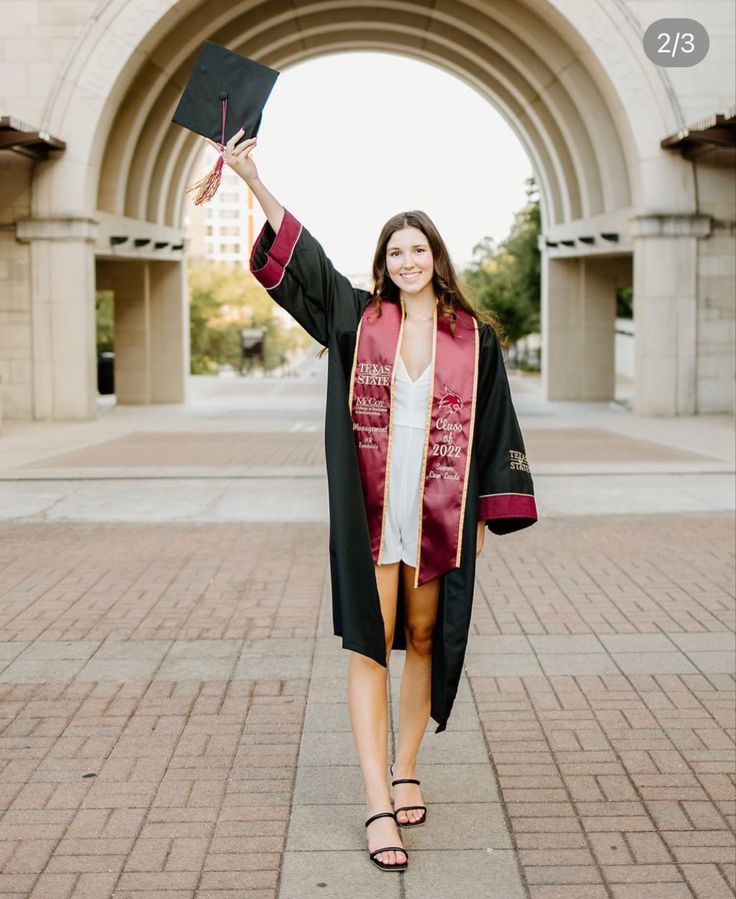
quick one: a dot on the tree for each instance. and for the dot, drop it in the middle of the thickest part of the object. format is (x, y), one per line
(506, 278)
(223, 299)
(104, 300)
(624, 302)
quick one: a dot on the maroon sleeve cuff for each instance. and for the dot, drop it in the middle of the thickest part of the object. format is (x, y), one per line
(507, 505)
(278, 254)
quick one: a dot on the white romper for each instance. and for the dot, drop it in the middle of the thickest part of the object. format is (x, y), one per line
(409, 428)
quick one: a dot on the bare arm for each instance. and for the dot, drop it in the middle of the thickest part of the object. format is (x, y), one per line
(290, 263)
(269, 204)
(237, 156)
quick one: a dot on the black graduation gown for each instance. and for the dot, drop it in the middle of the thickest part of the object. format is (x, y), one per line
(298, 275)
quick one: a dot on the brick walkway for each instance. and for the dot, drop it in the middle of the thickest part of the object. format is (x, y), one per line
(615, 762)
(242, 449)
(160, 762)
(172, 448)
(169, 692)
(151, 582)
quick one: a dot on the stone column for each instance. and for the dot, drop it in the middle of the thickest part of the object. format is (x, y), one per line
(666, 312)
(578, 328)
(129, 281)
(16, 331)
(151, 329)
(63, 316)
(169, 342)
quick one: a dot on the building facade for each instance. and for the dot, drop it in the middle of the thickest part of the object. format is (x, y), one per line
(225, 228)
(634, 161)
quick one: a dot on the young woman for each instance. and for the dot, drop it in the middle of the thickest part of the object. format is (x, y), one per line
(423, 451)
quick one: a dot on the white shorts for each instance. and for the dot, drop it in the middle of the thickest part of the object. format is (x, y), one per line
(402, 519)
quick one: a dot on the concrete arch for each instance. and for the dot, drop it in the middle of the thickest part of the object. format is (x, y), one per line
(568, 163)
(569, 77)
(551, 198)
(130, 57)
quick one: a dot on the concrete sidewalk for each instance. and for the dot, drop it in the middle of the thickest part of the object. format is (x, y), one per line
(252, 450)
(173, 715)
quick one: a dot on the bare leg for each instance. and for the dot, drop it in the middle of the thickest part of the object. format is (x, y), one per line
(368, 707)
(421, 615)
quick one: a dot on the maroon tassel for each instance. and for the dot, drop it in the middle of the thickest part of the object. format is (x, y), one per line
(207, 187)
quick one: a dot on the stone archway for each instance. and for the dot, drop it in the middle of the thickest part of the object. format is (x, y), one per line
(588, 112)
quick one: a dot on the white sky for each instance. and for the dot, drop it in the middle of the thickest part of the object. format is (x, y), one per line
(349, 140)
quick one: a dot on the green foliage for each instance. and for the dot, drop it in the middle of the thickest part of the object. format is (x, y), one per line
(624, 302)
(104, 305)
(223, 299)
(506, 278)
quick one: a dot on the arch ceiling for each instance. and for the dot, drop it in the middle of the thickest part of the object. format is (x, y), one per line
(524, 60)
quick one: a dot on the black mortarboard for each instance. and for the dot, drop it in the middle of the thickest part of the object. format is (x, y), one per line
(225, 92)
(221, 74)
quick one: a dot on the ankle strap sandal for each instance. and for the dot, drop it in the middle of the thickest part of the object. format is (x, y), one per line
(384, 866)
(408, 808)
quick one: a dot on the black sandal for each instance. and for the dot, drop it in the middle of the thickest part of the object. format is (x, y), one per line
(408, 808)
(372, 855)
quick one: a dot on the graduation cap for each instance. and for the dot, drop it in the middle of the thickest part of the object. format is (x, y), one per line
(225, 92)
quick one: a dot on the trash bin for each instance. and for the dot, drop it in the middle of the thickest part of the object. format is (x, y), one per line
(251, 348)
(106, 373)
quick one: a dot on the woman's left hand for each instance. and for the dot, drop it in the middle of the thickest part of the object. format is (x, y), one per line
(480, 537)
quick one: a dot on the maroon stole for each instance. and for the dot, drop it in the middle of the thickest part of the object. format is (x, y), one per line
(450, 420)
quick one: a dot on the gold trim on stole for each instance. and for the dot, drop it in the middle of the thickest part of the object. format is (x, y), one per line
(428, 429)
(471, 429)
(355, 362)
(384, 509)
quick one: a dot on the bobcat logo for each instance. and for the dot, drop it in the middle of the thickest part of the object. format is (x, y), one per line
(450, 401)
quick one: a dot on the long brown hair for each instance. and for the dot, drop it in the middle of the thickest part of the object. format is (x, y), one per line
(444, 280)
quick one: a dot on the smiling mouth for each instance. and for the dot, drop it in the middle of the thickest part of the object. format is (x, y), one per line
(411, 276)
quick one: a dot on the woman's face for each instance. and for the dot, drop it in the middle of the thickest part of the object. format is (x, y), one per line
(409, 260)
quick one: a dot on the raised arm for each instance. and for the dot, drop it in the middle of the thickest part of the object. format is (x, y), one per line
(291, 264)
(237, 156)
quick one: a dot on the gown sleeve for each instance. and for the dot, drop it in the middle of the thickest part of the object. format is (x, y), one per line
(296, 272)
(506, 491)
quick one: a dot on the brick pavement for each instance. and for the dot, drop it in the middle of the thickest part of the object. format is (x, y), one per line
(615, 786)
(188, 448)
(154, 683)
(618, 784)
(141, 786)
(610, 575)
(242, 448)
(152, 582)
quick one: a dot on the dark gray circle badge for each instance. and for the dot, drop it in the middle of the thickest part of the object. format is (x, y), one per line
(676, 42)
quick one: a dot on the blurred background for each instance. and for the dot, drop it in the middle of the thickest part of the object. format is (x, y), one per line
(585, 191)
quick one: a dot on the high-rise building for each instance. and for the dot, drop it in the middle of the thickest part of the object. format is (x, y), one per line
(225, 228)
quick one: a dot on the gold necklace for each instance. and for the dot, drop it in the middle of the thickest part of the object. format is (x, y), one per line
(416, 318)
